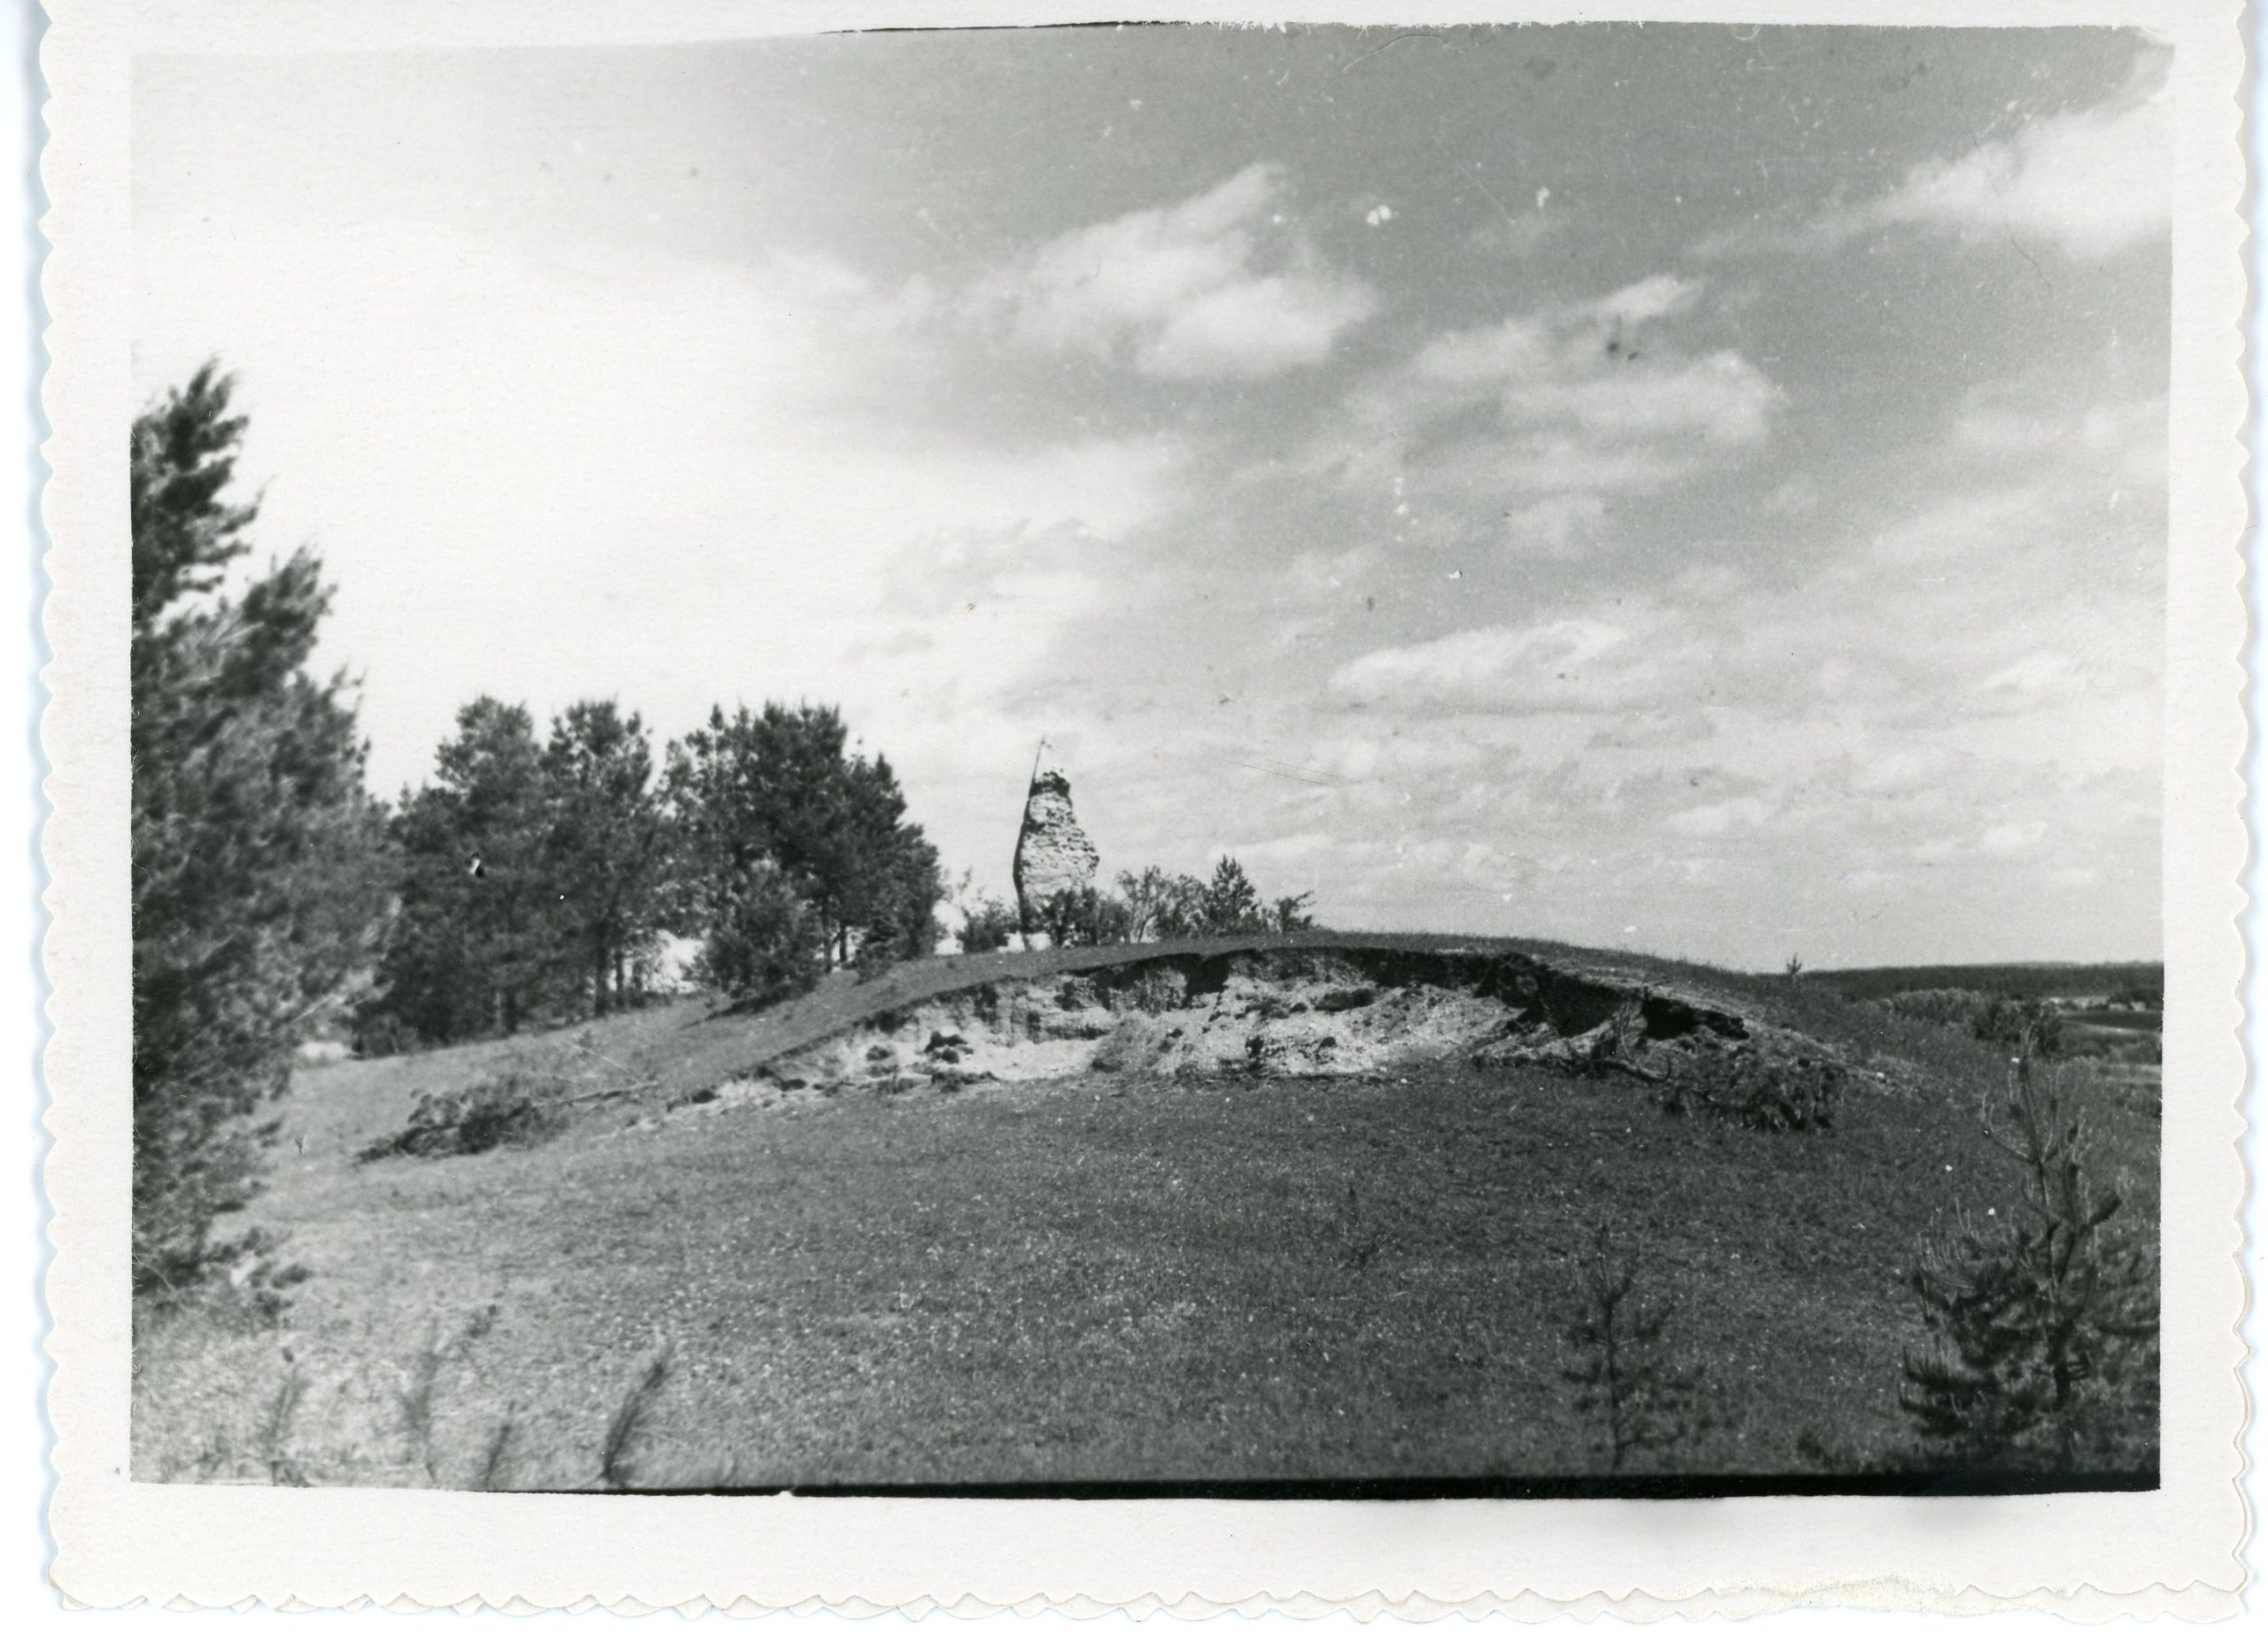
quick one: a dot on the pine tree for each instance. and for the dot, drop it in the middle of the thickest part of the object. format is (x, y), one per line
(259, 871)
(476, 949)
(1623, 1374)
(1232, 903)
(604, 847)
(2043, 1320)
(784, 787)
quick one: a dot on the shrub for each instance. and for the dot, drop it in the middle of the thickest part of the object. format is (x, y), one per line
(1623, 1372)
(987, 926)
(764, 944)
(515, 1109)
(1084, 918)
(2044, 1318)
(1159, 905)
(1948, 1007)
(2032, 1027)
(1756, 1088)
(1292, 913)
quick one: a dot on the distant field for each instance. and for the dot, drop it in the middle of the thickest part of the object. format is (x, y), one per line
(2022, 981)
(1095, 1278)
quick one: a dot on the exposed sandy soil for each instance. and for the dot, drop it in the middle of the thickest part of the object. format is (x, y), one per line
(1217, 1214)
(1307, 1013)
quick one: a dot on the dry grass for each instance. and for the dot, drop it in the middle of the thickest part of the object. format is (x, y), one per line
(1090, 1279)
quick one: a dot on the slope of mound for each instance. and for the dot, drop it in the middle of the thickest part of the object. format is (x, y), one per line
(693, 1047)
(1153, 1255)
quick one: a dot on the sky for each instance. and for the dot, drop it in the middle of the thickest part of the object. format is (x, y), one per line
(1682, 488)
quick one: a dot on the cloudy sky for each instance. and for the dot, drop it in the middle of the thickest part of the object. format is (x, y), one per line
(1691, 489)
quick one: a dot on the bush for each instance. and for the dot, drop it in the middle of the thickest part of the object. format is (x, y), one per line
(2043, 1317)
(1947, 1007)
(763, 945)
(1755, 1088)
(2032, 1027)
(987, 926)
(1159, 905)
(514, 1109)
(1084, 918)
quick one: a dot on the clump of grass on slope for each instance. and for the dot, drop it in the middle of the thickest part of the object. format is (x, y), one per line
(1757, 1089)
(514, 1109)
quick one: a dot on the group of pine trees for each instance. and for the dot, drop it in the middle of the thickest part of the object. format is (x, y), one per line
(533, 879)
(540, 876)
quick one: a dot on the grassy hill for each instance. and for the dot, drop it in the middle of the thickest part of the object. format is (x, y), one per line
(1211, 1283)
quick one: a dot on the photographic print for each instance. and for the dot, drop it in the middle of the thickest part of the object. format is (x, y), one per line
(1185, 757)
(1332, 762)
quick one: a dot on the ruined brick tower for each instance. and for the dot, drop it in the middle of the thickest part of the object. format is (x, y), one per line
(1052, 853)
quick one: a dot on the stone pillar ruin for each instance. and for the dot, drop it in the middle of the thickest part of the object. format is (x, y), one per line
(1052, 853)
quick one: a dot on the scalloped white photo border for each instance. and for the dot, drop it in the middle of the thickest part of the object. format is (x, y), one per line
(2092, 1555)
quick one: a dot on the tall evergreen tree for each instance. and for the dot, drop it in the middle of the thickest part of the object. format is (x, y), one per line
(605, 850)
(1231, 904)
(258, 869)
(783, 788)
(476, 948)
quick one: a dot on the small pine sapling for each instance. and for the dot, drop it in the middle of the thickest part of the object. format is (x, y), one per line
(1624, 1375)
(2043, 1320)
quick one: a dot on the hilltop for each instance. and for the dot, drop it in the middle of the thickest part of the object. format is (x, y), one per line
(1260, 1211)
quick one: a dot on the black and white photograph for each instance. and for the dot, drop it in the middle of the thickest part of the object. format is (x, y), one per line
(1153, 760)
(1320, 762)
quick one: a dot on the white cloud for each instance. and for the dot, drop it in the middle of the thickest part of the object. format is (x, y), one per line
(1721, 398)
(2088, 183)
(1720, 817)
(1582, 398)
(1555, 524)
(1220, 286)
(2124, 437)
(2091, 182)
(1906, 771)
(2005, 838)
(1584, 664)
(641, 475)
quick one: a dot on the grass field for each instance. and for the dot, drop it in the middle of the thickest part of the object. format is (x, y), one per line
(2015, 981)
(1093, 1278)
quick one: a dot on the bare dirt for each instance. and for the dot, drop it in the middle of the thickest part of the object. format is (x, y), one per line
(1263, 1013)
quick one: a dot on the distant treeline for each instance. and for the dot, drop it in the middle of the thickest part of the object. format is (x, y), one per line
(2140, 982)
